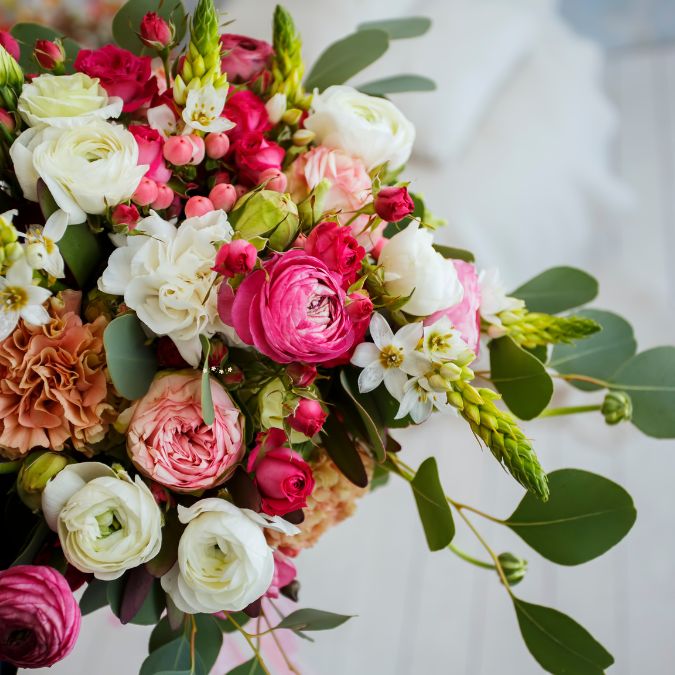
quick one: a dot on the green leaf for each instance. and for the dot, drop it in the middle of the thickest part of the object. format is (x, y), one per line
(228, 627)
(397, 84)
(36, 539)
(557, 290)
(341, 449)
(451, 253)
(127, 22)
(599, 355)
(143, 599)
(313, 619)
(81, 251)
(520, 377)
(131, 362)
(558, 643)
(251, 667)
(347, 57)
(649, 379)
(208, 413)
(433, 507)
(27, 33)
(400, 29)
(162, 634)
(168, 553)
(94, 597)
(174, 656)
(376, 444)
(585, 516)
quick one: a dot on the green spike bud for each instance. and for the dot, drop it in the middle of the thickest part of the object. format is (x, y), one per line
(10, 248)
(287, 64)
(35, 473)
(11, 80)
(533, 329)
(617, 407)
(514, 568)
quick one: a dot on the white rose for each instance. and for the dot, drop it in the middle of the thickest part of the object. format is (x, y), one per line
(106, 522)
(493, 298)
(224, 562)
(368, 127)
(412, 265)
(166, 278)
(66, 101)
(87, 168)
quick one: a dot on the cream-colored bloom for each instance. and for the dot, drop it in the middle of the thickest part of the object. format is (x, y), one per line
(203, 110)
(66, 101)
(20, 299)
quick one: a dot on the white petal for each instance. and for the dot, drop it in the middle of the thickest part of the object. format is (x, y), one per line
(8, 321)
(56, 225)
(371, 377)
(395, 381)
(365, 354)
(416, 364)
(20, 274)
(408, 401)
(421, 411)
(381, 331)
(409, 336)
(35, 314)
(275, 523)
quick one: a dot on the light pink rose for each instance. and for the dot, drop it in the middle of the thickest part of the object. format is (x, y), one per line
(168, 441)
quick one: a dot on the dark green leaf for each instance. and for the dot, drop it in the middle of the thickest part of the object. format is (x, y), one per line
(558, 643)
(313, 619)
(36, 539)
(208, 640)
(520, 378)
(540, 352)
(251, 667)
(432, 506)
(173, 656)
(94, 597)
(131, 362)
(347, 57)
(168, 553)
(162, 634)
(380, 478)
(342, 450)
(402, 28)
(127, 22)
(557, 290)
(81, 251)
(208, 413)
(27, 33)
(397, 84)
(114, 592)
(599, 355)
(451, 253)
(649, 380)
(585, 516)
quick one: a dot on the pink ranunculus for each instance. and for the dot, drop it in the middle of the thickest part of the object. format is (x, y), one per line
(169, 442)
(284, 573)
(150, 144)
(253, 154)
(334, 244)
(393, 204)
(294, 309)
(121, 73)
(243, 57)
(282, 476)
(465, 316)
(249, 114)
(39, 617)
(308, 418)
(10, 44)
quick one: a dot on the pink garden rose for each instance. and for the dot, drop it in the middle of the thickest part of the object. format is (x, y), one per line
(168, 441)
(254, 154)
(243, 57)
(334, 244)
(294, 309)
(150, 145)
(39, 617)
(465, 316)
(248, 112)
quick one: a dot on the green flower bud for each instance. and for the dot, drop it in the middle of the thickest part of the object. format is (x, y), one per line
(311, 208)
(514, 568)
(11, 80)
(35, 473)
(303, 137)
(292, 116)
(438, 383)
(617, 407)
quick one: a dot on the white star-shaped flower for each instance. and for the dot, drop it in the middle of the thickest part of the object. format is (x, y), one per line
(42, 253)
(203, 110)
(419, 400)
(442, 342)
(20, 299)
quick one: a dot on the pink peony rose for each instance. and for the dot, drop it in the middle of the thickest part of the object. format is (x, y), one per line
(10, 44)
(335, 245)
(292, 310)
(465, 316)
(393, 204)
(121, 74)
(249, 114)
(150, 145)
(284, 574)
(39, 617)
(243, 57)
(236, 257)
(253, 154)
(168, 441)
(283, 477)
(308, 417)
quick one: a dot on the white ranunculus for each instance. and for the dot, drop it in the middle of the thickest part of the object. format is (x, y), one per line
(165, 276)
(106, 522)
(368, 127)
(493, 298)
(87, 168)
(412, 265)
(66, 101)
(224, 562)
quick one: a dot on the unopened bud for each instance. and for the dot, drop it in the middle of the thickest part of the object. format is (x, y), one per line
(35, 473)
(450, 371)
(156, 32)
(438, 383)
(514, 568)
(50, 55)
(617, 407)
(292, 115)
(303, 137)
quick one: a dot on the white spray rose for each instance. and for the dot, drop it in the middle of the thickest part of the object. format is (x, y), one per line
(66, 101)
(87, 168)
(224, 562)
(106, 522)
(363, 126)
(166, 277)
(412, 265)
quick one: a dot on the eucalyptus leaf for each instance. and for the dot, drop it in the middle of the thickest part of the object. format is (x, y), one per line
(397, 84)
(208, 413)
(36, 539)
(313, 619)
(401, 28)
(94, 597)
(585, 516)
(451, 253)
(558, 289)
(228, 626)
(162, 634)
(251, 667)
(520, 377)
(28, 33)
(127, 22)
(342, 450)
(136, 589)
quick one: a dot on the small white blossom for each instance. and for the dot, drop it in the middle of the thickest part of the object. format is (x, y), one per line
(203, 110)
(419, 400)
(162, 119)
(20, 299)
(42, 253)
(493, 297)
(442, 342)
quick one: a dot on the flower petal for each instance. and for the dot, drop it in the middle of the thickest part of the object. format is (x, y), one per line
(371, 377)
(365, 354)
(380, 331)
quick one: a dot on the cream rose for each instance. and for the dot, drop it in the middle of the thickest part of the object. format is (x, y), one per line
(66, 101)
(87, 168)
(412, 265)
(363, 126)
(224, 561)
(106, 522)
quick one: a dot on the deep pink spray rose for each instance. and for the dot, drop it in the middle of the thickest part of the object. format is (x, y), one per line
(308, 418)
(235, 257)
(334, 244)
(284, 573)
(39, 617)
(150, 145)
(464, 316)
(393, 204)
(248, 112)
(294, 309)
(121, 74)
(168, 441)
(155, 31)
(301, 374)
(253, 154)
(10, 44)
(283, 477)
(243, 57)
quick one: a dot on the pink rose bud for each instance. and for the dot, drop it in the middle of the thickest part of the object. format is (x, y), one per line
(10, 44)
(274, 179)
(377, 249)
(155, 31)
(233, 376)
(308, 417)
(164, 199)
(217, 145)
(237, 257)
(146, 192)
(124, 214)
(360, 307)
(284, 574)
(393, 204)
(301, 374)
(198, 206)
(7, 120)
(300, 241)
(198, 149)
(221, 177)
(178, 150)
(223, 196)
(50, 55)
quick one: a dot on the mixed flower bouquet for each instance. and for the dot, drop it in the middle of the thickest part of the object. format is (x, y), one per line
(217, 297)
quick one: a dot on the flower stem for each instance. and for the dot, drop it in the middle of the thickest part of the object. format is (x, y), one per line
(248, 639)
(570, 410)
(584, 378)
(10, 467)
(470, 559)
(288, 662)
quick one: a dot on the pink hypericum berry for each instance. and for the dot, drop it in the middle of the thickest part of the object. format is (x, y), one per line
(217, 145)
(146, 192)
(198, 206)
(164, 197)
(223, 196)
(274, 179)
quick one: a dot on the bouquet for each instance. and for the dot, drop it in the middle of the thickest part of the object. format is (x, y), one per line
(218, 297)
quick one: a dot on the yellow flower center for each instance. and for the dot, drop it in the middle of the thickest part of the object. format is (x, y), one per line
(13, 298)
(391, 357)
(203, 115)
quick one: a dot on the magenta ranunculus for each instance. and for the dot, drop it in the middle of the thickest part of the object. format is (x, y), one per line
(334, 244)
(253, 154)
(244, 58)
(168, 441)
(150, 145)
(39, 617)
(248, 112)
(294, 309)
(464, 316)
(121, 74)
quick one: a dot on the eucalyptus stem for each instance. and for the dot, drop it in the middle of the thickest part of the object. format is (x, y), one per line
(584, 378)
(287, 661)
(251, 644)
(571, 410)
(470, 559)
(10, 467)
